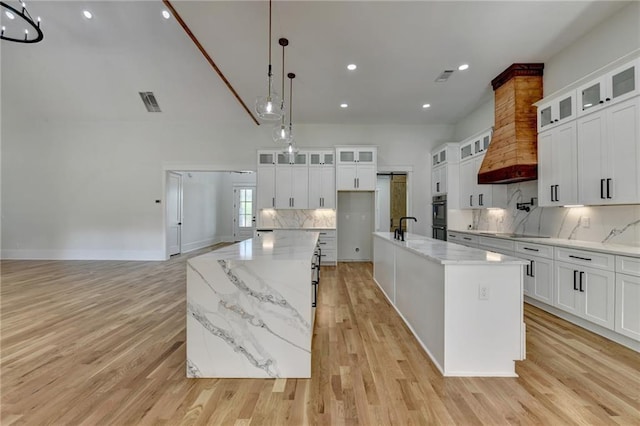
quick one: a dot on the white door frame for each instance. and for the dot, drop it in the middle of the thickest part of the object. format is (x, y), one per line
(234, 214)
(180, 211)
(409, 171)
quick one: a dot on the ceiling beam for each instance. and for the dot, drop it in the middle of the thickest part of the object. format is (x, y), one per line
(195, 41)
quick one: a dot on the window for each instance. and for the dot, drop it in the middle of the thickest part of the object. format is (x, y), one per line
(246, 208)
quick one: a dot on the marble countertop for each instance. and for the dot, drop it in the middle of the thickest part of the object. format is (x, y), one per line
(448, 253)
(266, 228)
(271, 246)
(618, 249)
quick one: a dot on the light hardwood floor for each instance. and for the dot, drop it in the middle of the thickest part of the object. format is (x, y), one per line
(94, 342)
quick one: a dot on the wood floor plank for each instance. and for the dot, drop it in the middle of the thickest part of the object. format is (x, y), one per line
(95, 342)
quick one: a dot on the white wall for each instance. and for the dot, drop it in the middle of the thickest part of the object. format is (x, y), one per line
(356, 219)
(87, 190)
(383, 203)
(202, 205)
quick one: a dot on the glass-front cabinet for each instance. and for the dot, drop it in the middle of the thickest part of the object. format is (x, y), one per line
(612, 87)
(557, 110)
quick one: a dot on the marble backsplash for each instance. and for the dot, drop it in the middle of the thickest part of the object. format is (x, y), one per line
(271, 218)
(605, 224)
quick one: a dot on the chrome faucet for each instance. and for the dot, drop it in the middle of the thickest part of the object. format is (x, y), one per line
(398, 233)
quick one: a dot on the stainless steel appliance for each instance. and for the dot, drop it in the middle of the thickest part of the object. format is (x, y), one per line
(439, 220)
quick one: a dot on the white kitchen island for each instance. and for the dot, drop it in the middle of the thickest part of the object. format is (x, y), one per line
(464, 305)
(249, 310)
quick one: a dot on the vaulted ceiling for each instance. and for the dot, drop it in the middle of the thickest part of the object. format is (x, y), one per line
(93, 69)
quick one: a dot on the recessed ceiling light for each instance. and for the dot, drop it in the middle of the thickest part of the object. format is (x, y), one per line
(352, 67)
(87, 14)
(343, 105)
(425, 106)
(166, 14)
(10, 15)
(463, 67)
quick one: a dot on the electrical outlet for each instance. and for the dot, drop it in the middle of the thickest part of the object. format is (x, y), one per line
(483, 292)
(586, 222)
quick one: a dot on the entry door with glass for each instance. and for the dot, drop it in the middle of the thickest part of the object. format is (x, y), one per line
(244, 217)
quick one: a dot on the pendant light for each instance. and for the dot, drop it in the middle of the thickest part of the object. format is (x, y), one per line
(292, 149)
(270, 107)
(281, 133)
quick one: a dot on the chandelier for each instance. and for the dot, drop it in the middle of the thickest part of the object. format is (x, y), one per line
(18, 25)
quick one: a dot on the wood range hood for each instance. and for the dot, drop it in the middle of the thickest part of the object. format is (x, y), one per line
(512, 155)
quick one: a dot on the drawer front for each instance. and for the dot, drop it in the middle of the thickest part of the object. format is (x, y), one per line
(586, 258)
(497, 243)
(327, 234)
(628, 265)
(534, 249)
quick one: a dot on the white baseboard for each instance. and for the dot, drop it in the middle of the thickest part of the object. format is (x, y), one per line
(186, 248)
(28, 254)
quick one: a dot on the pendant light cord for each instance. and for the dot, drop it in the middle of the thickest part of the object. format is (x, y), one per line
(269, 73)
(282, 88)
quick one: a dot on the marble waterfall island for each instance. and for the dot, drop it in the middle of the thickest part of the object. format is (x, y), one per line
(464, 305)
(249, 310)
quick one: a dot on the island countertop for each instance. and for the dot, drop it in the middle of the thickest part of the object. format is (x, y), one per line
(271, 246)
(448, 253)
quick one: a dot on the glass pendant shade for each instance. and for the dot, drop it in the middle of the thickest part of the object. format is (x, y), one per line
(270, 107)
(282, 134)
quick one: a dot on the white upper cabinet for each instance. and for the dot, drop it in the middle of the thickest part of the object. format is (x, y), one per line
(444, 171)
(612, 87)
(556, 111)
(356, 168)
(322, 180)
(266, 180)
(474, 195)
(609, 155)
(557, 166)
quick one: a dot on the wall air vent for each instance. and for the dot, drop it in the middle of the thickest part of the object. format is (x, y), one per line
(150, 102)
(444, 76)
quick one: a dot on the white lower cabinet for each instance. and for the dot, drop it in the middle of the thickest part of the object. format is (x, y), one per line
(627, 320)
(327, 242)
(586, 292)
(538, 274)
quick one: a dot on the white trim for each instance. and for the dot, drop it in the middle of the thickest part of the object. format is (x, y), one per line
(54, 254)
(196, 245)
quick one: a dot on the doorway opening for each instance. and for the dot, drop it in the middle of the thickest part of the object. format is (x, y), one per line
(391, 200)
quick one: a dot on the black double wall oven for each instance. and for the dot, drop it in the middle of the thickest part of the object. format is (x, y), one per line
(439, 220)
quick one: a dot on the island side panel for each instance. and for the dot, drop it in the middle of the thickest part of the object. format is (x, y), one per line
(483, 337)
(420, 299)
(384, 267)
(249, 318)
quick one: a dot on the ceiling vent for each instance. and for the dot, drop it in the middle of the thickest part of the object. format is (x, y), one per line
(442, 78)
(150, 102)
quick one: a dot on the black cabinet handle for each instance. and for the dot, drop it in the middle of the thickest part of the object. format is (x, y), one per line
(471, 200)
(601, 102)
(180, 223)
(551, 187)
(437, 186)
(530, 249)
(609, 188)
(556, 192)
(532, 268)
(526, 269)
(608, 99)
(466, 238)
(581, 258)
(480, 201)
(581, 277)
(575, 280)
(602, 188)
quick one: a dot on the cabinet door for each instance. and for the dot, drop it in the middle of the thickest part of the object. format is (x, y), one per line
(315, 187)
(598, 289)
(591, 95)
(467, 186)
(557, 160)
(299, 187)
(545, 169)
(483, 193)
(366, 177)
(623, 152)
(567, 294)
(542, 274)
(366, 156)
(283, 187)
(346, 177)
(621, 83)
(266, 183)
(439, 180)
(346, 156)
(627, 310)
(592, 159)
(328, 187)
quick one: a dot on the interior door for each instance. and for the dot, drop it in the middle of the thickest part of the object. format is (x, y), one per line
(244, 217)
(398, 204)
(174, 213)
